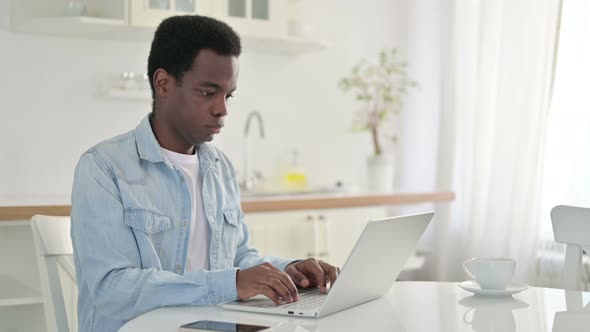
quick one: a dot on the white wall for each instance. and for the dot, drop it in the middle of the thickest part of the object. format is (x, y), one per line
(51, 109)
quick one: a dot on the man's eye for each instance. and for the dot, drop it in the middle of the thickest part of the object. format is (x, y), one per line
(207, 93)
(228, 97)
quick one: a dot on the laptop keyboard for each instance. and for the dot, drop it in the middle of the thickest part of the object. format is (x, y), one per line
(307, 300)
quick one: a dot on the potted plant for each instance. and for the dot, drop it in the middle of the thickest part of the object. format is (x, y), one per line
(381, 89)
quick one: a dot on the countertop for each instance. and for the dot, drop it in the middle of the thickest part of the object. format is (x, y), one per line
(268, 203)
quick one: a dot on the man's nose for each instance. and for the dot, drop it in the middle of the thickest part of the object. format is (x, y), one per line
(220, 108)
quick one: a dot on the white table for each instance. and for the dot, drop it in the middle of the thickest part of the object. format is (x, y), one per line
(409, 306)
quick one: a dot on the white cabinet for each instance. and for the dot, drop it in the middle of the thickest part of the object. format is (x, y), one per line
(327, 234)
(250, 17)
(112, 11)
(149, 13)
(281, 234)
(262, 24)
(255, 17)
(21, 303)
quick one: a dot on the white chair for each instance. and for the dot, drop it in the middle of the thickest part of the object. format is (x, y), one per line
(571, 225)
(53, 246)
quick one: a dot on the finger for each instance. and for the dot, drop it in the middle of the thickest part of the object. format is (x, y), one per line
(331, 271)
(270, 293)
(278, 287)
(312, 269)
(288, 282)
(299, 278)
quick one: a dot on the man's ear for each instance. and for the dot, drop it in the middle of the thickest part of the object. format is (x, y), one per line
(162, 82)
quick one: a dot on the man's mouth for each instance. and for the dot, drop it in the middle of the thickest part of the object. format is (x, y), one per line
(215, 129)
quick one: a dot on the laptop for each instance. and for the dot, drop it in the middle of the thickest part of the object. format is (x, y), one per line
(368, 273)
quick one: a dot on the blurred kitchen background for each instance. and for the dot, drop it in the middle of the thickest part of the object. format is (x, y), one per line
(497, 126)
(53, 88)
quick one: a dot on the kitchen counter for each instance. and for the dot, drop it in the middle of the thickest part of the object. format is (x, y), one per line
(268, 204)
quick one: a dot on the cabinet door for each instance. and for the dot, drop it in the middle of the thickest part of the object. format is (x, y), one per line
(328, 234)
(149, 13)
(283, 234)
(264, 18)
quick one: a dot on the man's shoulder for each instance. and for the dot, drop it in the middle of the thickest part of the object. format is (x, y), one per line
(118, 148)
(114, 145)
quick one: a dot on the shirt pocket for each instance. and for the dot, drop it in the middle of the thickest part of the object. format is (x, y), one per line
(230, 234)
(149, 228)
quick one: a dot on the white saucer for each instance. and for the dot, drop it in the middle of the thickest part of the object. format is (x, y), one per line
(472, 286)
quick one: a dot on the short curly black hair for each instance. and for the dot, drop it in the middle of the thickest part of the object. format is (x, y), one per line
(179, 39)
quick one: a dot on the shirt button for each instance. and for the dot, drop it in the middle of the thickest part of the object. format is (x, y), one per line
(178, 267)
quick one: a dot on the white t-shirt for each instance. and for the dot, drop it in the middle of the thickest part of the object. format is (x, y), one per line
(198, 246)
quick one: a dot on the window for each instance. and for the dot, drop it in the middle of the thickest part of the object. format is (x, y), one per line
(567, 156)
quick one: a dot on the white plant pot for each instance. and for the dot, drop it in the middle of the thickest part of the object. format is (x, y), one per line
(380, 174)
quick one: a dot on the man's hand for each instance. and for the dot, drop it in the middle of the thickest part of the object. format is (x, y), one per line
(267, 280)
(313, 272)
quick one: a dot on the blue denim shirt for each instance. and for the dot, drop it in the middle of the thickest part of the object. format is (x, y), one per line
(130, 229)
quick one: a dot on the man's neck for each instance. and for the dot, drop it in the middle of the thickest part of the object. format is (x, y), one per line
(167, 139)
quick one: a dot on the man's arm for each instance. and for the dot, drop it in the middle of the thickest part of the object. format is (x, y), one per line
(108, 257)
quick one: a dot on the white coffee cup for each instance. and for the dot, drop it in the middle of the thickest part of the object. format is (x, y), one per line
(490, 273)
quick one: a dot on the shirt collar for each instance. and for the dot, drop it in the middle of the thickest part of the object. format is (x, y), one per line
(149, 148)
(147, 145)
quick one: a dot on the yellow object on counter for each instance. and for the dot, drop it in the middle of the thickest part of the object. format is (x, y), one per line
(294, 178)
(295, 181)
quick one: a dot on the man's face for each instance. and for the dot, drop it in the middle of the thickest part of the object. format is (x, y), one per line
(198, 106)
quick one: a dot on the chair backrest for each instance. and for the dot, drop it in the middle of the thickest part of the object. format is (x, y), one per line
(571, 226)
(53, 245)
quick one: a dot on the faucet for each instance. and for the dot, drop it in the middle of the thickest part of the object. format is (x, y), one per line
(248, 180)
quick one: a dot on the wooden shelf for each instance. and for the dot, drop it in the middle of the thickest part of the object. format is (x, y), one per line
(112, 29)
(267, 204)
(13, 293)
